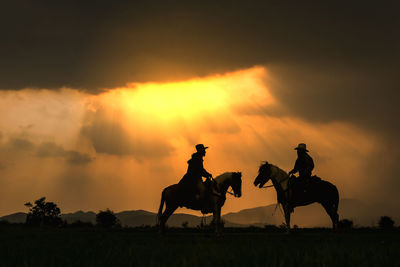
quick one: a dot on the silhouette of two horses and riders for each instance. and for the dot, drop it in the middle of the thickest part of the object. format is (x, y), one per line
(209, 196)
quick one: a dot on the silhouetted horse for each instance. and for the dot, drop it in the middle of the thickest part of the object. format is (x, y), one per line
(174, 197)
(289, 196)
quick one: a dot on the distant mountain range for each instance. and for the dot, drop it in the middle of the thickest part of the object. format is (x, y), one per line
(309, 216)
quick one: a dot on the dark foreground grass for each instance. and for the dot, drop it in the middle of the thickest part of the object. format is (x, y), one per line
(22, 246)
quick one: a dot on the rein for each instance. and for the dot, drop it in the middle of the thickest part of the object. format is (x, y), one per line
(280, 182)
(230, 192)
(266, 186)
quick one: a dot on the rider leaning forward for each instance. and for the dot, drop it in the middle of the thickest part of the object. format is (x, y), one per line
(192, 182)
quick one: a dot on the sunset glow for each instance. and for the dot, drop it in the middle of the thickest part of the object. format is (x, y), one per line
(131, 142)
(189, 99)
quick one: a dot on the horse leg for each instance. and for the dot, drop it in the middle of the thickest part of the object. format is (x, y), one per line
(169, 210)
(217, 220)
(332, 212)
(287, 210)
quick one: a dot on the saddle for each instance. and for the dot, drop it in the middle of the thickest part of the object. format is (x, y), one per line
(293, 180)
(302, 185)
(204, 202)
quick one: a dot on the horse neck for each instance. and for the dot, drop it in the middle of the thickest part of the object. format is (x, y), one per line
(224, 181)
(279, 177)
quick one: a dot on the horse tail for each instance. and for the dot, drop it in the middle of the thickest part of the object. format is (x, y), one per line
(336, 198)
(161, 206)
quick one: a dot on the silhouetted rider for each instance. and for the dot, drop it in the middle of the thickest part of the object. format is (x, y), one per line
(304, 163)
(192, 181)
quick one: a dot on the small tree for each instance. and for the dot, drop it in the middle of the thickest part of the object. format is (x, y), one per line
(386, 222)
(106, 218)
(43, 213)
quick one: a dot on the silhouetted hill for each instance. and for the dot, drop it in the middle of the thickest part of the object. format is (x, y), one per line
(126, 218)
(19, 217)
(254, 216)
(314, 215)
(141, 217)
(360, 213)
(82, 216)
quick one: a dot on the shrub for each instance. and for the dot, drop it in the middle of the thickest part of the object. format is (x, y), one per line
(386, 222)
(106, 218)
(43, 213)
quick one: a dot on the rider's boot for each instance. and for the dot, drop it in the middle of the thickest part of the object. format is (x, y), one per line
(204, 202)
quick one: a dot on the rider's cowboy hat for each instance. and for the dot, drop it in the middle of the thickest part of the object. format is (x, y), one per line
(200, 147)
(301, 146)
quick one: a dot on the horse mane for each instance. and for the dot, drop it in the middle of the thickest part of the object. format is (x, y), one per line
(280, 169)
(277, 184)
(264, 163)
(223, 176)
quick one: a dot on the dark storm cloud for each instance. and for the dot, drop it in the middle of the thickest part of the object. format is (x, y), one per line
(366, 97)
(50, 149)
(43, 150)
(103, 44)
(21, 144)
(110, 137)
(53, 150)
(75, 157)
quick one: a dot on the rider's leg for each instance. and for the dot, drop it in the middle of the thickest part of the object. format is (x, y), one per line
(287, 211)
(201, 190)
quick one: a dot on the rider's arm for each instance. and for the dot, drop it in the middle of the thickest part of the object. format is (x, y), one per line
(198, 161)
(295, 168)
(206, 174)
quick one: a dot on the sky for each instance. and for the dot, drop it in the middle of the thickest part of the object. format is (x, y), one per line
(102, 102)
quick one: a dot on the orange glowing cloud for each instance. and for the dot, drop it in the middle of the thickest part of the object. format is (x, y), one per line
(137, 139)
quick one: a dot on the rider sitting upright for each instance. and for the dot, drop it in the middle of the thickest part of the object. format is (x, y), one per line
(192, 182)
(304, 164)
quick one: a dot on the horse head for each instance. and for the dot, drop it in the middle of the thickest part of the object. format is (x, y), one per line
(263, 176)
(236, 184)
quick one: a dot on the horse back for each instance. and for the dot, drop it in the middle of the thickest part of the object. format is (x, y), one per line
(315, 190)
(173, 191)
(328, 192)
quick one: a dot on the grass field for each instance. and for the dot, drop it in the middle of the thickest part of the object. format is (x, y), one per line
(24, 246)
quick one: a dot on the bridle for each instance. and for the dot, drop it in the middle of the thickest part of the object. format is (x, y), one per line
(230, 192)
(266, 186)
(280, 182)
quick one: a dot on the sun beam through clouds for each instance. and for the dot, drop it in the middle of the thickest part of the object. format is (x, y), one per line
(120, 148)
(190, 99)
